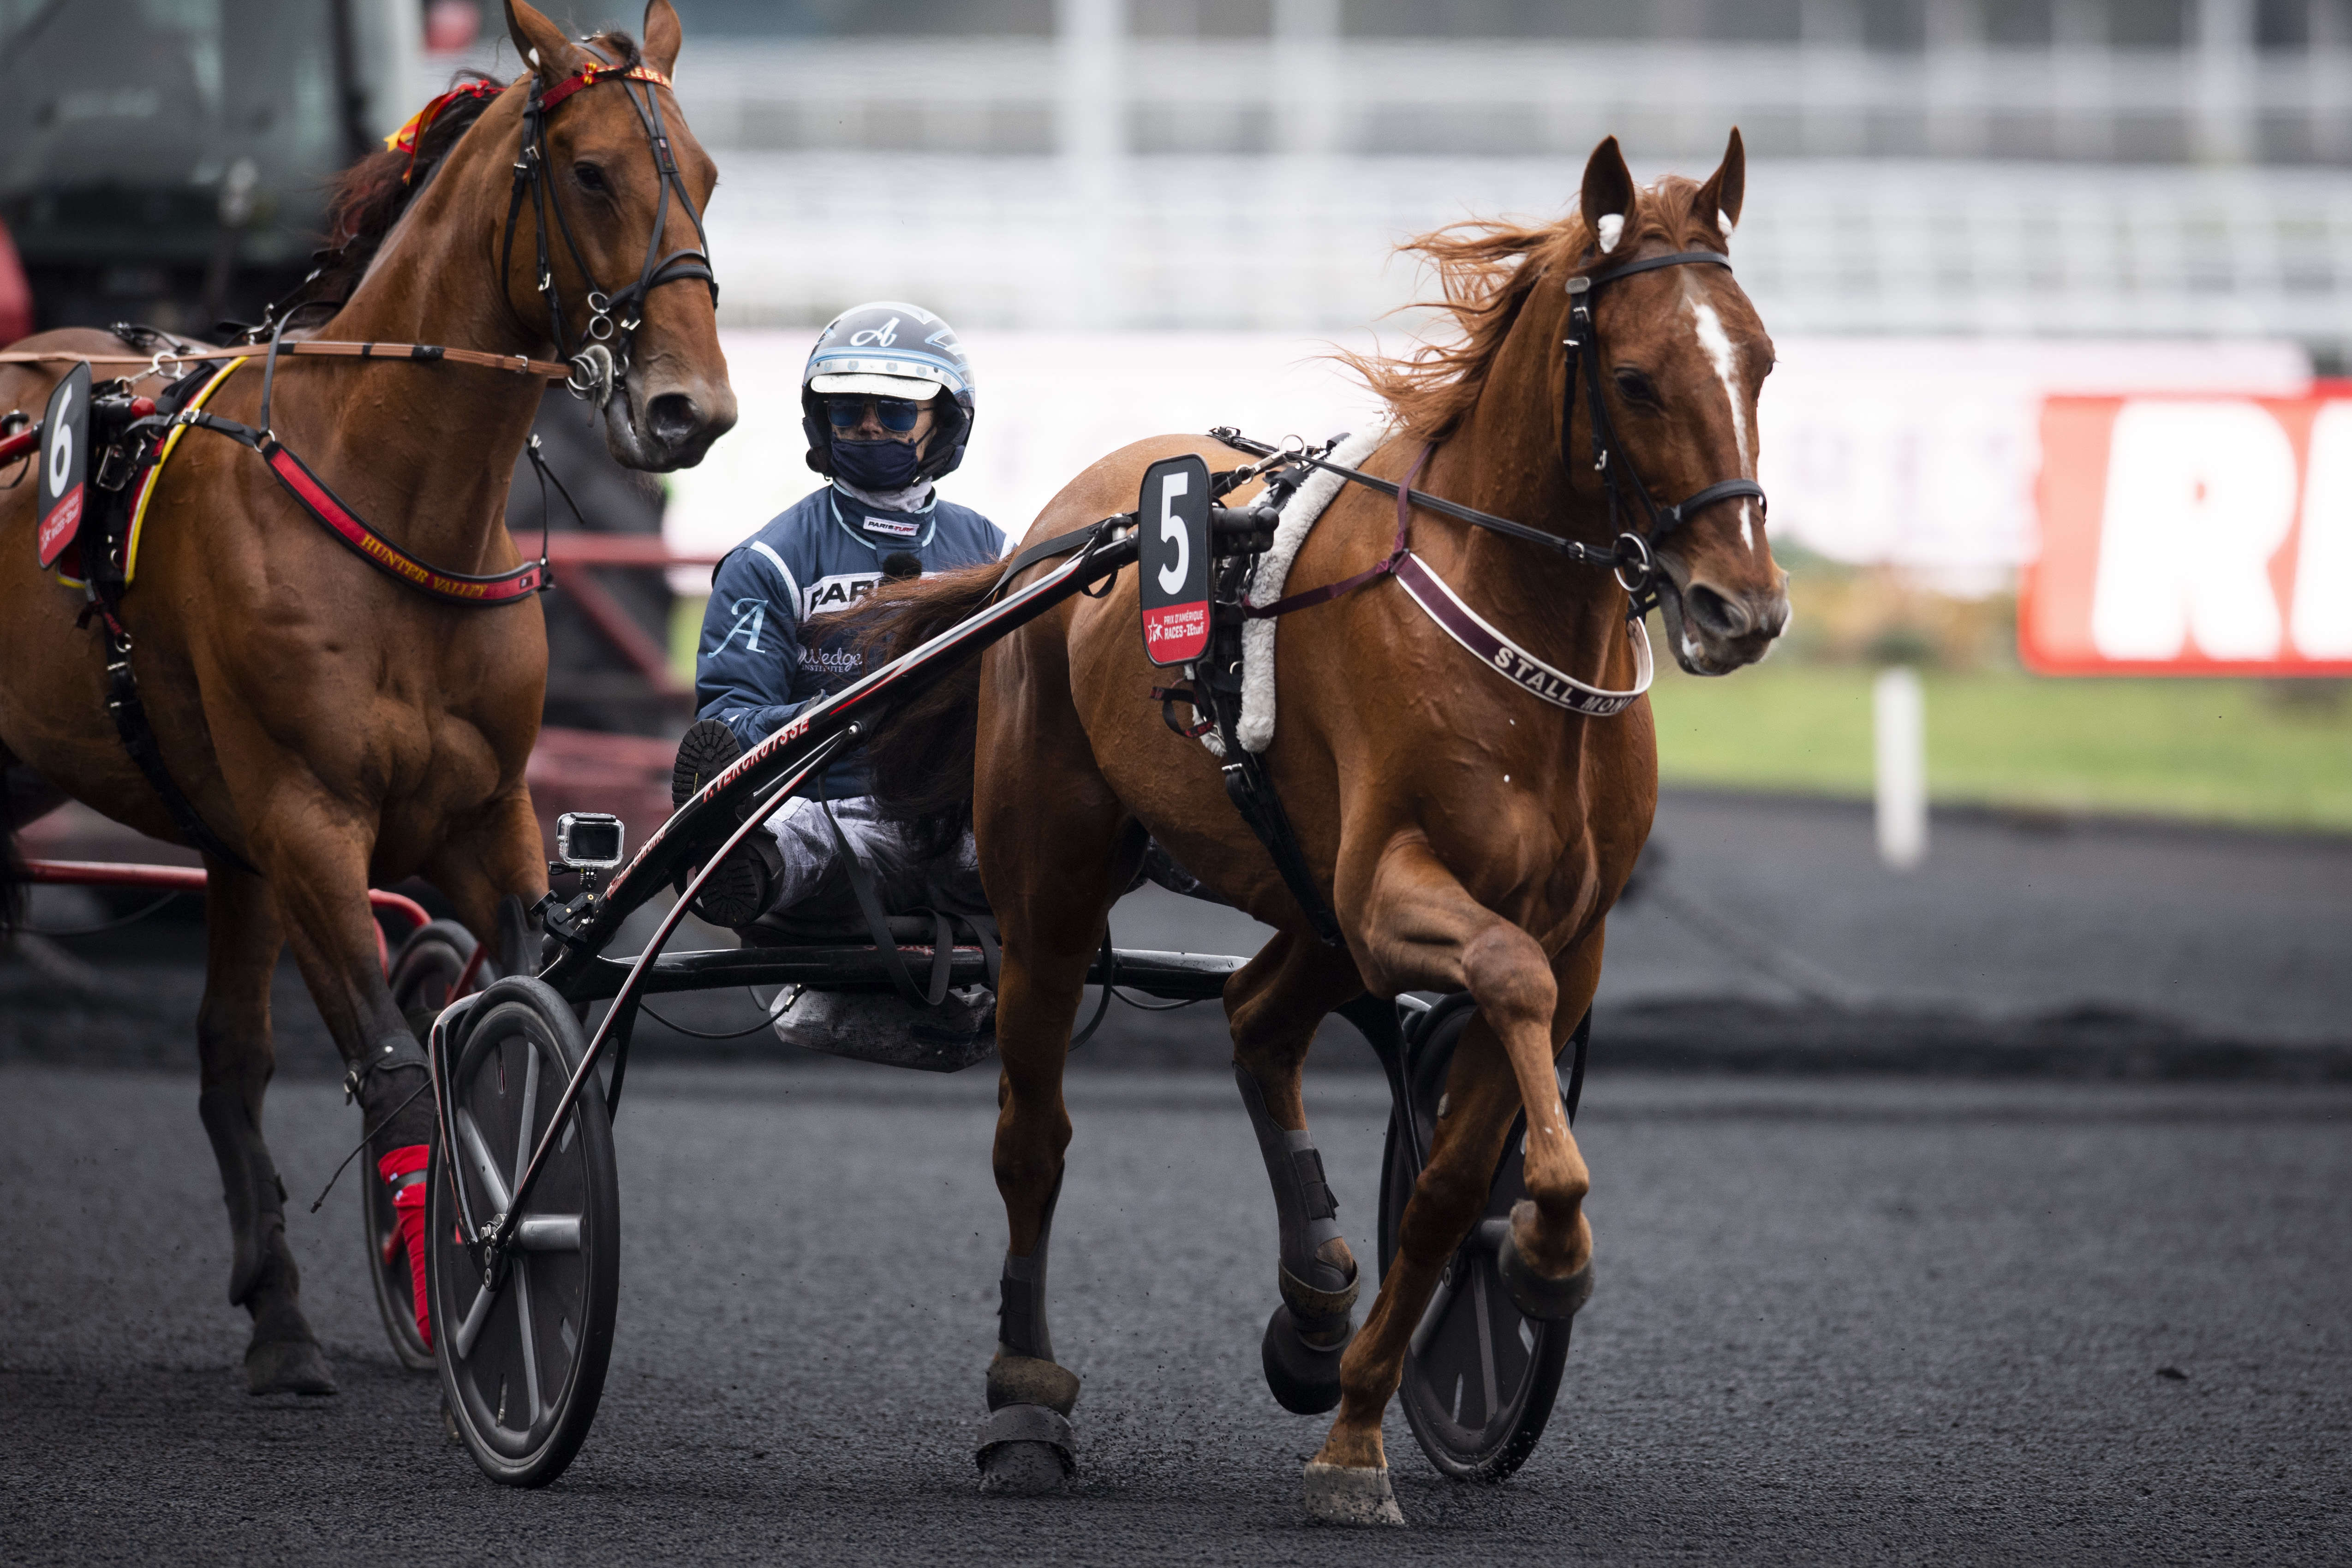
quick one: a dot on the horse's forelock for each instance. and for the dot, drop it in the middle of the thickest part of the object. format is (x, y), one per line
(620, 45)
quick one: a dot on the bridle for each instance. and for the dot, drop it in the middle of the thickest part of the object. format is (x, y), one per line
(1633, 555)
(603, 357)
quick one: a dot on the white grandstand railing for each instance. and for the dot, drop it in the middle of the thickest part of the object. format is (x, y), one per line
(1092, 180)
(1507, 96)
(1877, 245)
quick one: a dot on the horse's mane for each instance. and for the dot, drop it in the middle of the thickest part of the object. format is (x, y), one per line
(1486, 271)
(368, 198)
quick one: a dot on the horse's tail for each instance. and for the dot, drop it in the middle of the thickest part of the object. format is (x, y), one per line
(923, 756)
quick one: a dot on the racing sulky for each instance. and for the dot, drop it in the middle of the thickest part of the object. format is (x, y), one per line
(290, 629)
(1446, 827)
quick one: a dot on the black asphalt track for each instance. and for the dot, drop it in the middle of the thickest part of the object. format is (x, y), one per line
(1839, 1320)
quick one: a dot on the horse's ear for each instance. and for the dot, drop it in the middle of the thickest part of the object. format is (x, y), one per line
(1606, 201)
(662, 36)
(1716, 202)
(541, 43)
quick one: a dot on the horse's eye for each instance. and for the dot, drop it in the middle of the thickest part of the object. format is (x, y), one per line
(1635, 387)
(591, 177)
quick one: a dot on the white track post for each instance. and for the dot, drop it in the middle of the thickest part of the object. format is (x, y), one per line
(1900, 711)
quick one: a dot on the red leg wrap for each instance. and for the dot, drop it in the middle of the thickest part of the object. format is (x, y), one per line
(403, 1169)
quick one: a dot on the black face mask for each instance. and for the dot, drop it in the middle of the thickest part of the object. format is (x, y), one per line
(878, 466)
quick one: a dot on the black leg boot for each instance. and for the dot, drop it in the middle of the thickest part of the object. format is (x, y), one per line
(1026, 1446)
(1317, 1278)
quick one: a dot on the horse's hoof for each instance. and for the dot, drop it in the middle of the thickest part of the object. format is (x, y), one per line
(1304, 1377)
(1030, 1380)
(1025, 1450)
(1542, 1297)
(1344, 1494)
(288, 1367)
(1023, 1469)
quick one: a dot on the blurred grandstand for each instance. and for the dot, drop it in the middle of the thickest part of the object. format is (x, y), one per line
(2107, 167)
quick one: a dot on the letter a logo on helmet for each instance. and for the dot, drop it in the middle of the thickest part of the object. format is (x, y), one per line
(864, 350)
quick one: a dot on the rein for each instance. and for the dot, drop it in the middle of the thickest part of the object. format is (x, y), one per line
(419, 353)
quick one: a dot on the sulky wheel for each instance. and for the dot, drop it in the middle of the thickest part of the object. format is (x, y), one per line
(1479, 1379)
(424, 972)
(522, 1354)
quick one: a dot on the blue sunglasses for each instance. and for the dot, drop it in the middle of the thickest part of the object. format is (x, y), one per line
(847, 412)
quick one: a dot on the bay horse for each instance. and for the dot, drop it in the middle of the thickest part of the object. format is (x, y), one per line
(1466, 835)
(331, 725)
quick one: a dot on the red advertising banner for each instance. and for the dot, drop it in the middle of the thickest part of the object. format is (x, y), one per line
(2192, 536)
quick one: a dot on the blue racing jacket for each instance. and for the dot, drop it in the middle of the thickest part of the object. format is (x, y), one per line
(823, 552)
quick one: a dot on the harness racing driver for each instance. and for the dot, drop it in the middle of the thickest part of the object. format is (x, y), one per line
(886, 400)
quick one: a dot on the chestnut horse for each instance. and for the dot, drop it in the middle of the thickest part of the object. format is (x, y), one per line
(1466, 835)
(332, 727)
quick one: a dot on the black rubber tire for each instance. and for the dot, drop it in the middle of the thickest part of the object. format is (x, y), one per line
(426, 969)
(547, 1335)
(1468, 1433)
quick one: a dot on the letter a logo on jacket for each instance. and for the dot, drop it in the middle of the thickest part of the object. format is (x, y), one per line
(749, 614)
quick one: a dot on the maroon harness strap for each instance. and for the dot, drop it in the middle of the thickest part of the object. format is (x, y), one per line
(455, 588)
(1347, 585)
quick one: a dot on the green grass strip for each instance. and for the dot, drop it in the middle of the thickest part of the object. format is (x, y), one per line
(2246, 752)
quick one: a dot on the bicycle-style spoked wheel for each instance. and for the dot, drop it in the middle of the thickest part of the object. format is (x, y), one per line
(522, 1354)
(425, 975)
(1479, 1378)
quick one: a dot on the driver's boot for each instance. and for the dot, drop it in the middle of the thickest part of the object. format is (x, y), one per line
(740, 889)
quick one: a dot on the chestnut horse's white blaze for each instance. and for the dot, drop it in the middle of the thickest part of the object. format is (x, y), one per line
(1716, 344)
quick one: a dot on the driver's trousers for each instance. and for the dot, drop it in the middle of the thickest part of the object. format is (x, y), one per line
(814, 887)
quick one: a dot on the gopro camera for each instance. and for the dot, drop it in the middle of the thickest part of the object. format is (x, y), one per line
(588, 840)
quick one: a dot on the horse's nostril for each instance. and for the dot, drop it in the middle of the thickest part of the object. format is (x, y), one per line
(673, 418)
(1716, 616)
